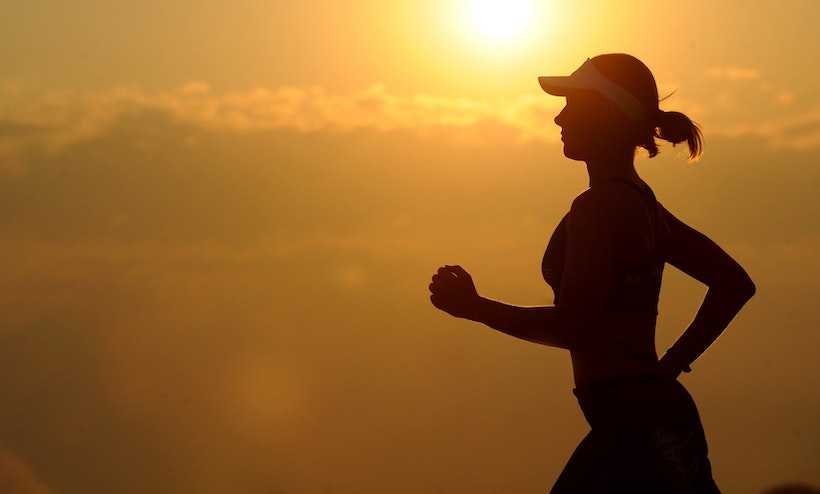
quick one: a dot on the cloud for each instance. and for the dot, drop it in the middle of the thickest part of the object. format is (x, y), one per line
(734, 73)
(798, 132)
(58, 119)
(741, 90)
(745, 102)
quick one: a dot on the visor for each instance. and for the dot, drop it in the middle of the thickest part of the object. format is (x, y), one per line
(588, 78)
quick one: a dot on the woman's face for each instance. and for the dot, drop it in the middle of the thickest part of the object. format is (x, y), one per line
(590, 126)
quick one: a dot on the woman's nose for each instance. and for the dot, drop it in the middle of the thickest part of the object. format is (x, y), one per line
(558, 119)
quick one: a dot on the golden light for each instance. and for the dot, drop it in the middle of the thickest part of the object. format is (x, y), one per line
(501, 19)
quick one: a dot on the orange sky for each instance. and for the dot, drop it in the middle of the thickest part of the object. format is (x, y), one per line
(217, 224)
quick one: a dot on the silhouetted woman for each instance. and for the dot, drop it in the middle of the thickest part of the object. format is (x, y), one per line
(604, 263)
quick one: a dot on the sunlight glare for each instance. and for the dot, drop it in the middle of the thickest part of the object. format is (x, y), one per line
(499, 19)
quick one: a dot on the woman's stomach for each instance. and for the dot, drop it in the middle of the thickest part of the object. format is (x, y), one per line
(619, 348)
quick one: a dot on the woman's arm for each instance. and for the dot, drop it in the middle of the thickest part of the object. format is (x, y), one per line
(454, 292)
(584, 287)
(729, 289)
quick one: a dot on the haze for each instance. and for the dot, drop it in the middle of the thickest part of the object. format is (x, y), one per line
(218, 222)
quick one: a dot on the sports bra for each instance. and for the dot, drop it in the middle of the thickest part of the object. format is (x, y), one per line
(635, 285)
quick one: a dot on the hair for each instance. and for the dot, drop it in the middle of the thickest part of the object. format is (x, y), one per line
(675, 127)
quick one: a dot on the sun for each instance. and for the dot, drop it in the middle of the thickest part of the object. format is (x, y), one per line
(501, 19)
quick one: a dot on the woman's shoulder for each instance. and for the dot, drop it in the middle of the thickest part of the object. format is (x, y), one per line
(608, 199)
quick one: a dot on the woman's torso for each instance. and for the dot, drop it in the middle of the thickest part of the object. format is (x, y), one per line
(620, 344)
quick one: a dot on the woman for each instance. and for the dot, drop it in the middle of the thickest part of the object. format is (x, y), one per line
(604, 263)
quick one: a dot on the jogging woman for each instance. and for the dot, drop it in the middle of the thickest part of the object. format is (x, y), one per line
(604, 263)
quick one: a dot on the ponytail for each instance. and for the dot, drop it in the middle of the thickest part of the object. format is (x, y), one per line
(676, 127)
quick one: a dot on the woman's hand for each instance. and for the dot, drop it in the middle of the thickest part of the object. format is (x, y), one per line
(453, 292)
(670, 365)
(669, 369)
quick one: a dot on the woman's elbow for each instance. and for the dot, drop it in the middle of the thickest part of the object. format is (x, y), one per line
(742, 287)
(735, 285)
(748, 288)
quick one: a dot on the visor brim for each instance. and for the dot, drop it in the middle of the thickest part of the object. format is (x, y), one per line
(561, 85)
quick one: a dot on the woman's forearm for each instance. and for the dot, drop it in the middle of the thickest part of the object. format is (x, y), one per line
(719, 307)
(542, 325)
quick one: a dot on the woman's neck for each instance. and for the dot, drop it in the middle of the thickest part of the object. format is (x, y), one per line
(608, 168)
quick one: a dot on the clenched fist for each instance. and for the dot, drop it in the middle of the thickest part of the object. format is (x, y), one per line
(453, 291)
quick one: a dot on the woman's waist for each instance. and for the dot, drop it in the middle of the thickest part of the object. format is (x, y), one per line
(649, 400)
(610, 371)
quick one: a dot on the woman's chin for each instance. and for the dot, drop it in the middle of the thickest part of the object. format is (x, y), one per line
(573, 154)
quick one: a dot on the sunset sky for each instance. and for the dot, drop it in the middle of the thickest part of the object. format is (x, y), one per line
(218, 221)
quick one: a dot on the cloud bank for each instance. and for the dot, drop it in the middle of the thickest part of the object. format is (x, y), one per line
(62, 118)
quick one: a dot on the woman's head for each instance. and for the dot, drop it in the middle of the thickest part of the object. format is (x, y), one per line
(619, 92)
